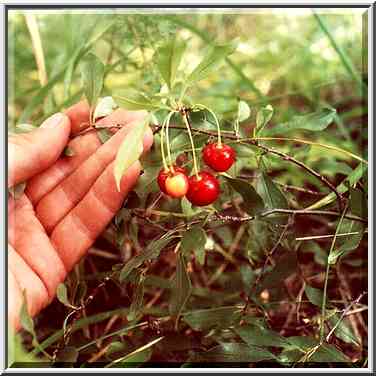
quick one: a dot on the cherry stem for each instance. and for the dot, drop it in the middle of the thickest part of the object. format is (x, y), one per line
(216, 122)
(168, 118)
(162, 146)
(186, 122)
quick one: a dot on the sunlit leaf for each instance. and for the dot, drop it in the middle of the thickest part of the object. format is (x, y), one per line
(92, 73)
(104, 107)
(263, 117)
(168, 58)
(212, 59)
(315, 121)
(244, 112)
(62, 295)
(138, 102)
(130, 150)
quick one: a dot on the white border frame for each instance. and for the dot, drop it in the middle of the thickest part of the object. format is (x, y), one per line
(3, 93)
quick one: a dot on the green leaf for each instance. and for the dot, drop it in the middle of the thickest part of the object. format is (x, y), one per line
(182, 288)
(315, 121)
(212, 59)
(138, 102)
(233, 352)
(134, 360)
(194, 240)
(17, 190)
(187, 208)
(68, 152)
(151, 252)
(92, 73)
(263, 117)
(44, 91)
(244, 112)
(205, 319)
(137, 299)
(27, 322)
(168, 58)
(16, 350)
(315, 296)
(271, 193)
(104, 135)
(259, 335)
(62, 295)
(301, 345)
(343, 330)
(253, 203)
(130, 150)
(351, 179)
(105, 107)
(346, 244)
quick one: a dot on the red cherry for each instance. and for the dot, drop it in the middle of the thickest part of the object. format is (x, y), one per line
(177, 185)
(164, 174)
(219, 157)
(204, 189)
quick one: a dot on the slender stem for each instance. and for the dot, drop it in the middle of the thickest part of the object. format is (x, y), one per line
(185, 87)
(216, 122)
(330, 147)
(186, 121)
(323, 306)
(165, 166)
(168, 140)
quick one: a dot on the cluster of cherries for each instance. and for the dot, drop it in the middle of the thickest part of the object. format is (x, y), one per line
(202, 188)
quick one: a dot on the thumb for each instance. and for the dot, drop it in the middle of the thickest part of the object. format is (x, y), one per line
(31, 153)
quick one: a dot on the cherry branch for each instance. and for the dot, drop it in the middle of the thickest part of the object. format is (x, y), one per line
(267, 149)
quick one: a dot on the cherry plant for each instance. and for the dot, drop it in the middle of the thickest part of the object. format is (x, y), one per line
(215, 235)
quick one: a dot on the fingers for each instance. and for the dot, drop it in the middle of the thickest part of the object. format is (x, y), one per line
(31, 153)
(79, 115)
(26, 280)
(82, 146)
(14, 301)
(74, 235)
(52, 208)
(31, 243)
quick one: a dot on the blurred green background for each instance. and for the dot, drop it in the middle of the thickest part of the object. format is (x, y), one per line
(284, 57)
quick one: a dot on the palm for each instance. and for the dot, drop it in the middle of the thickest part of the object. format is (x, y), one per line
(64, 208)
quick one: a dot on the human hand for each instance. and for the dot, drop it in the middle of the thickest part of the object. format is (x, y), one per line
(67, 203)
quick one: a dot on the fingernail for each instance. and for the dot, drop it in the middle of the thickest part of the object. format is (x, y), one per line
(53, 121)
